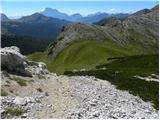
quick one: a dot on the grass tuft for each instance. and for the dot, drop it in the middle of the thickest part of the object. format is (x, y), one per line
(20, 81)
(14, 111)
(3, 93)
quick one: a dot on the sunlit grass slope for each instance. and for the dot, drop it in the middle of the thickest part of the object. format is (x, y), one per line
(85, 55)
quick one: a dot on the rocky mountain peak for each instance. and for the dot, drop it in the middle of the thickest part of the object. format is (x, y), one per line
(33, 18)
(112, 22)
(74, 27)
(141, 12)
(3, 17)
(156, 8)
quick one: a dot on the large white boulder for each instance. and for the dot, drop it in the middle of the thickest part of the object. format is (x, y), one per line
(12, 60)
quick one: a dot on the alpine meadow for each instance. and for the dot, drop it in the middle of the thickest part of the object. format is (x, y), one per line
(80, 60)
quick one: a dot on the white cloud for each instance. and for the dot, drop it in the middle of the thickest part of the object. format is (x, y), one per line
(42, 10)
(113, 10)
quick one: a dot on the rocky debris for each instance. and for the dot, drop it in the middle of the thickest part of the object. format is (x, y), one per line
(99, 99)
(27, 105)
(149, 78)
(13, 61)
(38, 69)
(155, 76)
(79, 97)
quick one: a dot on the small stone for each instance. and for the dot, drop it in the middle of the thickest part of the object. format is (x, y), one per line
(25, 115)
(46, 94)
(95, 114)
(19, 101)
(30, 100)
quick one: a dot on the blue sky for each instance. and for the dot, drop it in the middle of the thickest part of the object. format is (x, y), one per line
(21, 8)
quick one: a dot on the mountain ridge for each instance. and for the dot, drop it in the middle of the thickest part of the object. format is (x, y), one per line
(35, 25)
(77, 17)
(4, 17)
(138, 30)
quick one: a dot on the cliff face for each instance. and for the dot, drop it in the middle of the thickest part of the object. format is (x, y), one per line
(139, 29)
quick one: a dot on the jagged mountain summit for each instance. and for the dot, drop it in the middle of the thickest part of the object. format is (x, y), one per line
(53, 13)
(57, 14)
(137, 30)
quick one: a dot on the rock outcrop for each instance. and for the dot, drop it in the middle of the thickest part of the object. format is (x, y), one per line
(13, 61)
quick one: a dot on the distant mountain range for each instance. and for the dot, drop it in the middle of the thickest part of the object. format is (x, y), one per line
(48, 23)
(78, 17)
(91, 18)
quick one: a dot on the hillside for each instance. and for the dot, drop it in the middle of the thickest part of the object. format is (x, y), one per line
(27, 45)
(30, 33)
(85, 55)
(29, 90)
(84, 46)
(136, 30)
(130, 73)
(36, 25)
(3, 17)
(105, 70)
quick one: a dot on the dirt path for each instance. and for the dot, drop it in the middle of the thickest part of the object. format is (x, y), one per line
(59, 99)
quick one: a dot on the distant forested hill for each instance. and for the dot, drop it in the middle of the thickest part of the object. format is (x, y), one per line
(27, 45)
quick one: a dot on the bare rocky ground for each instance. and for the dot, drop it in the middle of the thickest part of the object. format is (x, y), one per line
(47, 95)
(74, 97)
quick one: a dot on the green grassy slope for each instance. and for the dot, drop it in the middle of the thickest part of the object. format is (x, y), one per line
(85, 55)
(121, 72)
(39, 57)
